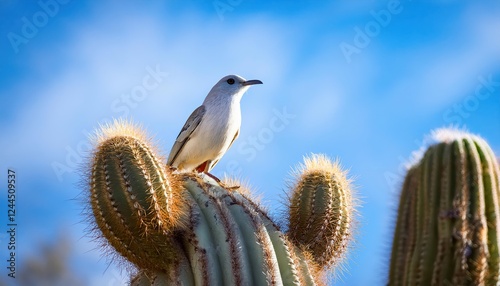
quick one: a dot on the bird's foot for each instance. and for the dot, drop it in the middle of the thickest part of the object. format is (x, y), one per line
(229, 188)
(232, 188)
(213, 177)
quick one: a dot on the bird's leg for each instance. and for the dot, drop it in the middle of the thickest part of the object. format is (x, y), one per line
(203, 168)
(213, 177)
(222, 184)
(232, 188)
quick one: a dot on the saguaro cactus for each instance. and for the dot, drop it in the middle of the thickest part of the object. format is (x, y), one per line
(448, 217)
(188, 229)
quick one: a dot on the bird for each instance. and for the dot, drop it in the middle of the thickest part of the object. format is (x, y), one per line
(212, 127)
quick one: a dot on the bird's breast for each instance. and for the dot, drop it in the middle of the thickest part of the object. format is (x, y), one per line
(221, 128)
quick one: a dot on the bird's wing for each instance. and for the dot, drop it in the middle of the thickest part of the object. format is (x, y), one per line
(213, 163)
(234, 138)
(185, 134)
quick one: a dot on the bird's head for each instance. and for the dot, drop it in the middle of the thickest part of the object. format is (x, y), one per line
(231, 86)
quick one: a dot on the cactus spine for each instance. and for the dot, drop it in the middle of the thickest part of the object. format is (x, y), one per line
(447, 226)
(187, 229)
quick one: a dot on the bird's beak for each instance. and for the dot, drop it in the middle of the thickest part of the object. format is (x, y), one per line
(251, 82)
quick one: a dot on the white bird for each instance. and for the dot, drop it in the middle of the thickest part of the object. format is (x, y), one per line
(212, 128)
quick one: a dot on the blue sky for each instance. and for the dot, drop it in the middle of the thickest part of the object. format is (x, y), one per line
(363, 82)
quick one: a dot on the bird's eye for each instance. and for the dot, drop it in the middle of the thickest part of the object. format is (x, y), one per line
(230, 81)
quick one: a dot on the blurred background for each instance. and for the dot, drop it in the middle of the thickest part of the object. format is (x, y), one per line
(362, 81)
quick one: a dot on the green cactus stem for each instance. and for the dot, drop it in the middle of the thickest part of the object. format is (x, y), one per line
(232, 241)
(183, 228)
(321, 210)
(448, 217)
(136, 204)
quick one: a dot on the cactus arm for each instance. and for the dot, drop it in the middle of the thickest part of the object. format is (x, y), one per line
(135, 203)
(103, 206)
(329, 204)
(342, 233)
(160, 190)
(302, 205)
(123, 211)
(320, 216)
